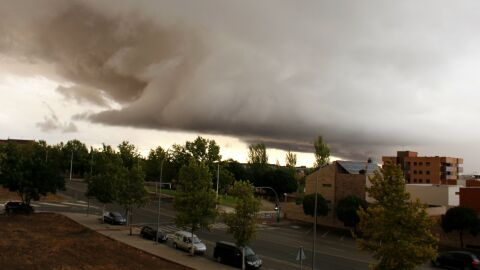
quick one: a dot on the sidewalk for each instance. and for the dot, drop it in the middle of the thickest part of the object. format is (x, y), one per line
(162, 250)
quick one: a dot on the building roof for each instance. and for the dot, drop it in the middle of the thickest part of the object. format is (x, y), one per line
(354, 167)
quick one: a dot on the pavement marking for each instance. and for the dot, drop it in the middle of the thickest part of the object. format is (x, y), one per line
(84, 202)
(34, 205)
(295, 227)
(309, 230)
(341, 238)
(53, 204)
(325, 234)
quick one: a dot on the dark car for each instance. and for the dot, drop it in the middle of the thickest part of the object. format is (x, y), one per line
(114, 218)
(457, 260)
(151, 233)
(18, 207)
(229, 253)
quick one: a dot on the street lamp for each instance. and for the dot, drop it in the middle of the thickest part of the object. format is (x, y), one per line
(277, 202)
(315, 215)
(159, 191)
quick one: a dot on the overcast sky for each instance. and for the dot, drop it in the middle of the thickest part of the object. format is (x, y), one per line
(372, 77)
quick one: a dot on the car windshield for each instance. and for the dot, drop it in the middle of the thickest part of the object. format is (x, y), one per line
(117, 215)
(249, 251)
(196, 240)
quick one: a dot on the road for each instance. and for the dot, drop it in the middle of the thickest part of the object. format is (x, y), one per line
(276, 245)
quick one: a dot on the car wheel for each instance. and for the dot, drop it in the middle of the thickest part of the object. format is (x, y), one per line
(219, 259)
(175, 245)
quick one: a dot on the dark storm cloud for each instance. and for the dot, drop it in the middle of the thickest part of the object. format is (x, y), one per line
(369, 76)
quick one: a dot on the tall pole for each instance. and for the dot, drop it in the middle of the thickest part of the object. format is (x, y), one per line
(315, 222)
(71, 165)
(159, 191)
(218, 177)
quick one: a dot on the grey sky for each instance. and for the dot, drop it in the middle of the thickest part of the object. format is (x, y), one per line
(370, 76)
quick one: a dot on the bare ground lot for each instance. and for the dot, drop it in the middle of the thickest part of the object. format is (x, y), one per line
(6, 195)
(52, 241)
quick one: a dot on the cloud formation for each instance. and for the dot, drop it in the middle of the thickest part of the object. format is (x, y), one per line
(52, 123)
(367, 76)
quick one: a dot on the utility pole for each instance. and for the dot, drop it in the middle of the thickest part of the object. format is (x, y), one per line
(315, 222)
(71, 165)
(218, 177)
(159, 191)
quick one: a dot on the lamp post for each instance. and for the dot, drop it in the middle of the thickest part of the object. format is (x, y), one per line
(159, 191)
(315, 222)
(277, 202)
(71, 165)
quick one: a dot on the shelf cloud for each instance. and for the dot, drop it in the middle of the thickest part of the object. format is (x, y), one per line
(368, 77)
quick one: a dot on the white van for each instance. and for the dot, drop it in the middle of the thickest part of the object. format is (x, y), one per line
(183, 240)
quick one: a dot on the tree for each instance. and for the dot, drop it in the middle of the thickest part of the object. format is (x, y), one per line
(290, 159)
(322, 152)
(226, 180)
(204, 150)
(280, 179)
(131, 191)
(257, 155)
(80, 161)
(347, 208)
(460, 219)
(26, 169)
(195, 201)
(309, 205)
(154, 162)
(242, 223)
(236, 168)
(129, 154)
(396, 230)
(107, 173)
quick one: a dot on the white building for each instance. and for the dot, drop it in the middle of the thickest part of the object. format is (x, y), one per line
(435, 195)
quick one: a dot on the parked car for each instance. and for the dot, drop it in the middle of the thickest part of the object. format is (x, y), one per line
(457, 260)
(229, 253)
(114, 218)
(151, 233)
(184, 240)
(15, 207)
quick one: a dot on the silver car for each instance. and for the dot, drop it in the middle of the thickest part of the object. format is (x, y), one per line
(184, 240)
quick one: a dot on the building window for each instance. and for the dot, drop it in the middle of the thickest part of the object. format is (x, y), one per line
(427, 172)
(414, 180)
(420, 180)
(408, 163)
(420, 172)
(420, 163)
(428, 181)
(414, 163)
(427, 163)
(326, 185)
(414, 172)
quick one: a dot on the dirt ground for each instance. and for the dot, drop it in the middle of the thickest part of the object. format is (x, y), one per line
(52, 241)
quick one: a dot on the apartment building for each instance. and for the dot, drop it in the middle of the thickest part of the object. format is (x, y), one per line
(427, 170)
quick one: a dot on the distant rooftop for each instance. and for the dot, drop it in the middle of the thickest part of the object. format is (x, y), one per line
(355, 167)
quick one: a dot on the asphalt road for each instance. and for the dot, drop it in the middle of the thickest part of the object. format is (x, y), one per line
(276, 245)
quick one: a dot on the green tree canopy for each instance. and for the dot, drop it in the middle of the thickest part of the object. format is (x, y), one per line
(290, 159)
(26, 170)
(396, 230)
(80, 161)
(241, 224)
(461, 219)
(195, 201)
(131, 191)
(257, 155)
(347, 208)
(322, 152)
(236, 168)
(129, 154)
(309, 205)
(107, 173)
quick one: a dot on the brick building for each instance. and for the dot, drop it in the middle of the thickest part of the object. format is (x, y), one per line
(427, 170)
(469, 197)
(340, 179)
